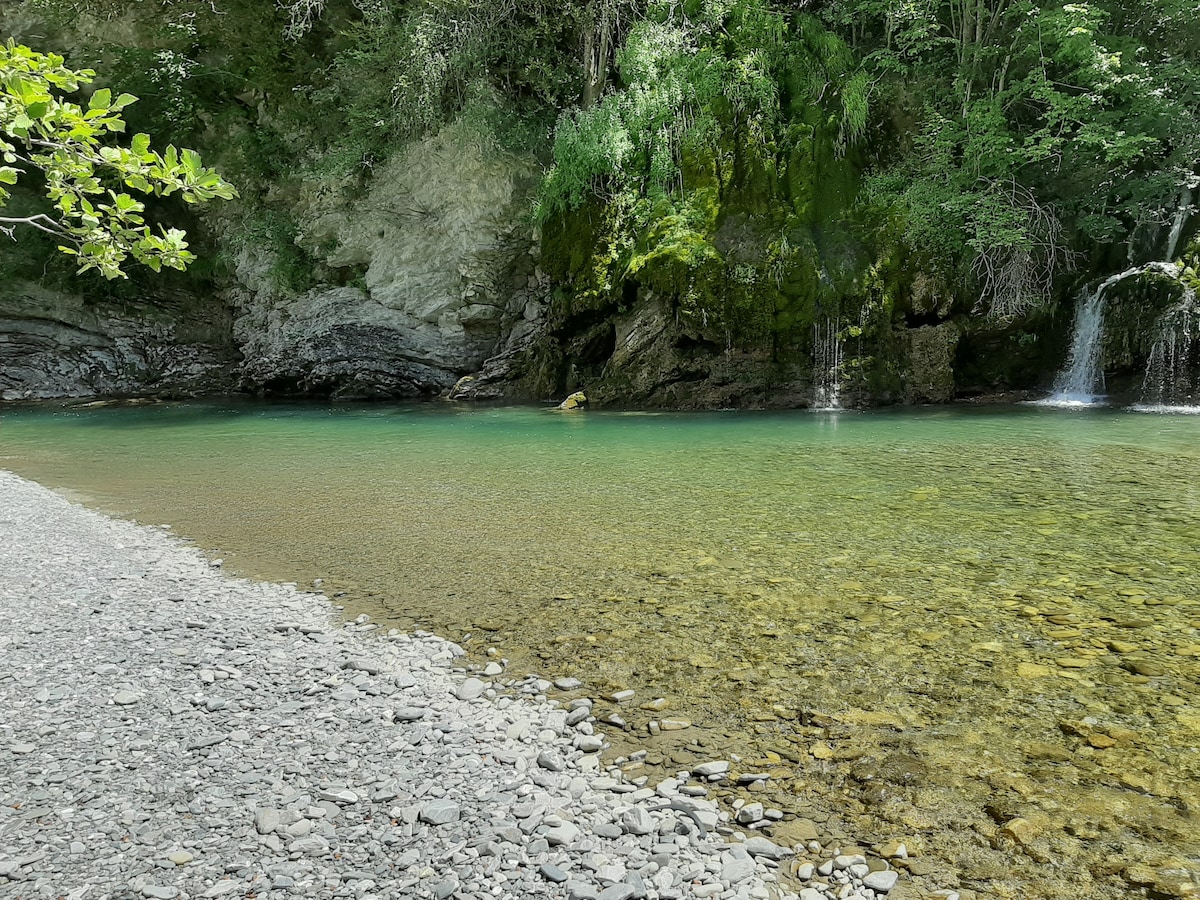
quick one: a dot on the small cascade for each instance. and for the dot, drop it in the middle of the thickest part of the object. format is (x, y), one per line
(827, 365)
(1172, 382)
(1076, 385)
(1181, 217)
(1081, 383)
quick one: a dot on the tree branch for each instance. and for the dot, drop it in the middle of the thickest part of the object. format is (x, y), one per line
(42, 222)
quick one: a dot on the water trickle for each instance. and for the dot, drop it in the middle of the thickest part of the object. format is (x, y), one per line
(827, 365)
(1181, 217)
(1081, 382)
(1172, 381)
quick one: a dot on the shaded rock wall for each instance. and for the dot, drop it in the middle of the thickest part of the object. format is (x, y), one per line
(930, 369)
(57, 345)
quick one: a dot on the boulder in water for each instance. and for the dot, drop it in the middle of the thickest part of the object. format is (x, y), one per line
(576, 401)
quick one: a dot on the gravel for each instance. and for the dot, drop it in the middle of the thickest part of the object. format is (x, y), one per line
(169, 731)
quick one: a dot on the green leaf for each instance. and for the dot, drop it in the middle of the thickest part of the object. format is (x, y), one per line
(101, 99)
(139, 183)
(191, 162)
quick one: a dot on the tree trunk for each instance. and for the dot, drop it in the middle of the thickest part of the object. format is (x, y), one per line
(597, 51)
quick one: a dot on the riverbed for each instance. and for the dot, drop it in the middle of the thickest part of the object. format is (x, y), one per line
(974, 631)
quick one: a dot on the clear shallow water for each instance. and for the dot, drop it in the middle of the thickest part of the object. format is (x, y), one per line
(924, 624)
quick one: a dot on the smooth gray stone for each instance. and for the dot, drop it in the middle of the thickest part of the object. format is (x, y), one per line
(881, 881)
(558, 835)
(159, 892)
(750, 813)
(736, 871)
(205, 742)
(636, 820)
(266, 820)
(760, 846)
(341, 795)
(440, 812)
(635, 881)
(470, 689)
(581, 890)
(552, 873)
(408, 713)
(227, 886)
(617, 892)
(751, 777)
(313, 845)
(551, 761)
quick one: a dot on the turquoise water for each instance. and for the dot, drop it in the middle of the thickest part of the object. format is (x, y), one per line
(925, 624)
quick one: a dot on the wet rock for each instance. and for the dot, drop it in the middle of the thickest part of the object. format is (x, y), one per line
(1145, 667)
(578, 400)
(1020, 830)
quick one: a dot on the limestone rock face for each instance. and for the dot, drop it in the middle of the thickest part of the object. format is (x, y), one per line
(439, 260)
(60, 345)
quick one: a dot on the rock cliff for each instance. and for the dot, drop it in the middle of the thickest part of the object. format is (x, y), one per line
(439, 260)
(59, 345)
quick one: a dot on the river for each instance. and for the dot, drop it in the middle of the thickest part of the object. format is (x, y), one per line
(976, 631)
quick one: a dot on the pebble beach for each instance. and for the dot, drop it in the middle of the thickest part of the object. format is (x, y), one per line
(167, 730)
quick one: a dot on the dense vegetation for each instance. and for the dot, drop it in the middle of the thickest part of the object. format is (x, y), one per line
(761, 166)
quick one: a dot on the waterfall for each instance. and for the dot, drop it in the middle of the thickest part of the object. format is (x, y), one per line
(827, 365)
(1077, 383)
(1081, 383)
(1172, 381)
(1181, 217)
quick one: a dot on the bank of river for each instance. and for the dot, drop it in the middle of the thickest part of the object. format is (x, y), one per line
(974, 632)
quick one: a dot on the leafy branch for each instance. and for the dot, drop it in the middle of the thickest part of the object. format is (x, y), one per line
(44, 135)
